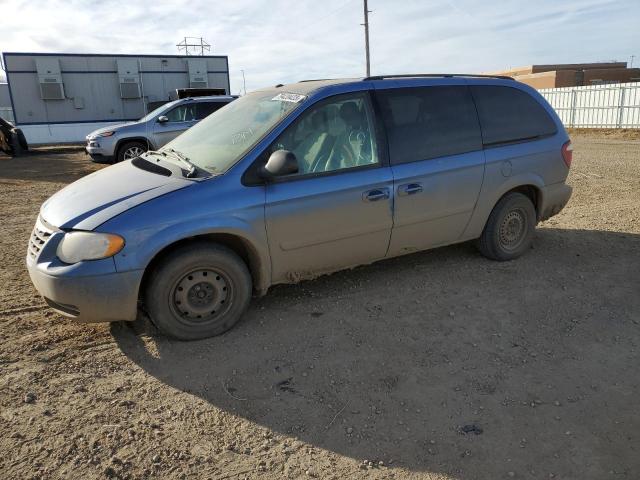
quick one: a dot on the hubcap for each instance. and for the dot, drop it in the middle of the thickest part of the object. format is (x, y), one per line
(201, 295)
(133, 152)
(512, 229)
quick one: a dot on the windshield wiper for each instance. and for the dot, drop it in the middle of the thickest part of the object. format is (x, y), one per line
(152, 152)
(192, 169)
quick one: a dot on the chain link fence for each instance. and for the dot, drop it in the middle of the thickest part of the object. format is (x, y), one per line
(597, 106)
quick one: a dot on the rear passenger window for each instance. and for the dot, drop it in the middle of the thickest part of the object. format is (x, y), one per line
(429, 122)
(204, 109)
(510, 115)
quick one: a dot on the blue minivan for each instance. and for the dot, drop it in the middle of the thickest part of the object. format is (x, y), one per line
(298, 180)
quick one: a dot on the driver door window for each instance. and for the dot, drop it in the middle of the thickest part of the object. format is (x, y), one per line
(183, 113)
(336, 134)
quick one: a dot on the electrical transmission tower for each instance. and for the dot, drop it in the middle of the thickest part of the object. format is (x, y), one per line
(193, 46)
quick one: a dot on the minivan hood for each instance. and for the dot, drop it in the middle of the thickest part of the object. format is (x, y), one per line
(94, 199)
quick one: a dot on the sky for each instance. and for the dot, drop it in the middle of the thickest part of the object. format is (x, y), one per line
(277, 41)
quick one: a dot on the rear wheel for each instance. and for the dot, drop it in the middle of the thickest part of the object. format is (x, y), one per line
(510, 228)
(198, 291)
(130, 150)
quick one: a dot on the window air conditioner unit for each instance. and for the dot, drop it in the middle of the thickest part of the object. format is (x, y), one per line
(51, 89)
(50, 78)
(129, 78)
(197, 73)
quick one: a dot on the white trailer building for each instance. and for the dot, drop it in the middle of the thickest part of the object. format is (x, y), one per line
(6, 111)
(60, 97)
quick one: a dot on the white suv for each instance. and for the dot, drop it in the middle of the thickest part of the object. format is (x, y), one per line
(116, 143)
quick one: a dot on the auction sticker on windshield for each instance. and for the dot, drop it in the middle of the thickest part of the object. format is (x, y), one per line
(289, 97)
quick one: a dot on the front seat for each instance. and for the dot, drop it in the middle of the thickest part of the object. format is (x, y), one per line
(353, 146)
(311, 148)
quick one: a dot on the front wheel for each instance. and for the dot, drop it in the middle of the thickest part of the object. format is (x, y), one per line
(130, 150)
(510, 228)
(198, 291)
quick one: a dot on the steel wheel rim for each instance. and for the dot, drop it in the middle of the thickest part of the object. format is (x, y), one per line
(512, 229)
(201, 296)
(132, 152)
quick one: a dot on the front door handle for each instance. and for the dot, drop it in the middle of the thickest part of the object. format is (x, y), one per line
(409, 189)
(375, 195)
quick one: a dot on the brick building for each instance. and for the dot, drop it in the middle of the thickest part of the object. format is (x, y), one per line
(573, 74)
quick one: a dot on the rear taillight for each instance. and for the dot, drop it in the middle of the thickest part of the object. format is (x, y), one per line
(567, 153)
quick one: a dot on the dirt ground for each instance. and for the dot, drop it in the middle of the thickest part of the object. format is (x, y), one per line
(437, 365)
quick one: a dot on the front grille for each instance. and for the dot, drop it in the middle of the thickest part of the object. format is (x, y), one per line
(39, 237)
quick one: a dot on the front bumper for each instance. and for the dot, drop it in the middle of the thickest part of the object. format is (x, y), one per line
(99, 158)
(101, 149)
(554, 198)
(87, 291)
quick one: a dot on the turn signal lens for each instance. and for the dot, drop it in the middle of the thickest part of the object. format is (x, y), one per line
(78, 246)
(105, 134)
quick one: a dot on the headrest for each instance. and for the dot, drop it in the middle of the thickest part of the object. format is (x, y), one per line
(349, 112)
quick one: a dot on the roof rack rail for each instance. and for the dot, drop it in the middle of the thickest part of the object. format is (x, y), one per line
(435, 75)
(315, 80)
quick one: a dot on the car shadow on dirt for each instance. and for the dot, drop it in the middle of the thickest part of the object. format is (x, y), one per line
(60, 165)
(440, 361)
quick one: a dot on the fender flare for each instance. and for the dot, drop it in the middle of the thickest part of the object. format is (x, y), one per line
(122, 141)
(152, 247)
(490, 197)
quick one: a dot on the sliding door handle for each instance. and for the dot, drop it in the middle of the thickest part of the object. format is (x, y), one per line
(409, 189)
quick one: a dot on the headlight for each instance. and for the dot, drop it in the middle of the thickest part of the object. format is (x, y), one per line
(105, 134)
(78, 246)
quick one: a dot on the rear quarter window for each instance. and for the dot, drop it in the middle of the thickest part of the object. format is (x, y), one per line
(429, 122)
(510, 115)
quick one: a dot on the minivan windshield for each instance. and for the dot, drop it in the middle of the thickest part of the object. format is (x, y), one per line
(221, 139)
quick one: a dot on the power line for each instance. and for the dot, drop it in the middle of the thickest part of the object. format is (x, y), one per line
(315, 22)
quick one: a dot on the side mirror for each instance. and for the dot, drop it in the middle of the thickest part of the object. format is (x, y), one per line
(163, 119)
(281, 162)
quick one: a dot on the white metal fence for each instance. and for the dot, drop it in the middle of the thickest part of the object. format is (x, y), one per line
(597, 106)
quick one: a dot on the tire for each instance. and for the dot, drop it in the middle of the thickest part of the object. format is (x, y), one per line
(510, 228)
(130, 150)
(200, 290)
(22, 140)
(14, 142)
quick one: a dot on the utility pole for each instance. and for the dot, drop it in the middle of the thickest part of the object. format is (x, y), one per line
(366, 36)
(244, 82)
(632, 57)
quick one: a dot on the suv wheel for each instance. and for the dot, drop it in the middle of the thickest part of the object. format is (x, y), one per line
(510, 228)
(131, 150)
(198, 291)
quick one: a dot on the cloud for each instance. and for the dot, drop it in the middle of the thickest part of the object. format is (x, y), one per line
(281, 41)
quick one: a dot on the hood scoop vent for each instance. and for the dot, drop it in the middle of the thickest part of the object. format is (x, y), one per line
(148, 166)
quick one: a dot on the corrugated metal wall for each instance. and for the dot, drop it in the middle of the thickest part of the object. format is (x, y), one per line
(597, 106)
(92, 96)
(92, 87)
(6, 111)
